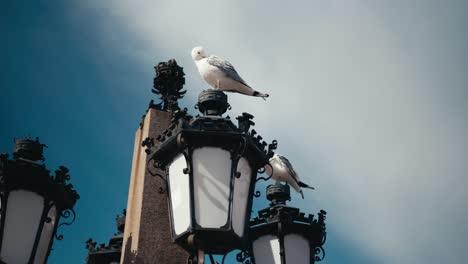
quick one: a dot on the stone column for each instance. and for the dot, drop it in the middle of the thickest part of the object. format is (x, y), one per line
(147, 235)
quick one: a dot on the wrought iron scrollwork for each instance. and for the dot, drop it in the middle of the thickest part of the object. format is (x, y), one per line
(262, 170)
(271, 148)
(148, 143)
(65, 215)
(319, 253)
(243, 257)
(245, 122)
(161, 190)
(257, 194)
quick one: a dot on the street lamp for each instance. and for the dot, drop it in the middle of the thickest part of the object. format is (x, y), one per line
(32, 203)
(111, 253)
(283, 235)
(212, 166)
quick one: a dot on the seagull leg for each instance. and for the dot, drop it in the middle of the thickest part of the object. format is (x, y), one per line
(217, 85)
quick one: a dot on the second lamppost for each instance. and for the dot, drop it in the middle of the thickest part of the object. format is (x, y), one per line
(32, 202)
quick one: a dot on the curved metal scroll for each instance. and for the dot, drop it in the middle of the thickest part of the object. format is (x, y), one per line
(243, 257)
(161, 190)
(319, 253)
(262, 170)
(65, 215)
(257, 194)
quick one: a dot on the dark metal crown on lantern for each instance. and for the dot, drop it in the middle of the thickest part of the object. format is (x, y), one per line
(28, 148)
(168, 84)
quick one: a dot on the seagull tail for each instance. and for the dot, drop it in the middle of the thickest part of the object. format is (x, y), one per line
(259, 94)
(303, 185)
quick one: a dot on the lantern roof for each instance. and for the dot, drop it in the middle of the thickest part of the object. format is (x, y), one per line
(212, 126)
(24, 172)
(103, 253)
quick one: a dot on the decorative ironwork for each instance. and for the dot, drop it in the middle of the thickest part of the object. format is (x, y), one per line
(245, 122)
(243, 257)
(186, 133)
(148, 143)
(262, 170)
(111, 252)
(271, 148)
(280, 219)
(257, 194)
(26, 171)
(319, 253)
(65, 215)
(29, 149)
(156, 164)
(168, 84)
(212, 102)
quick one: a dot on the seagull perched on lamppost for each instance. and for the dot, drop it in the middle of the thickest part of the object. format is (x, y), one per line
(280, 169)
(220, 74)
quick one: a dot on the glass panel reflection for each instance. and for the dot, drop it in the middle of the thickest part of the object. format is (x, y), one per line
(23, 215)
(46, 236)
(266, 250)
(241, 195)
(211, 178)
(180, 194)
(297, 249)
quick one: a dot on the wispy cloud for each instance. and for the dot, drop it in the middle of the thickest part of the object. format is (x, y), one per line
(365, 100)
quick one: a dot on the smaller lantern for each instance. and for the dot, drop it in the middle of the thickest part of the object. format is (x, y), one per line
(31, 204)
(211, 167)
(111, 253)
(283, 235)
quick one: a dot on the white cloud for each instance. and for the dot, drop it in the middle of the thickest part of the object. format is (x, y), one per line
(358, 99)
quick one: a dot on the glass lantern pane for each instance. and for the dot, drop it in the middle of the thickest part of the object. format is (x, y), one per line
(46, 236)
(266, 250)
(180, 194)
(297, 249)
(23, 216)
(241, 195)
(211, 180)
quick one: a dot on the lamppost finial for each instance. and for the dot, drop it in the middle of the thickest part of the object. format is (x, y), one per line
(278, 193)
(212, 102)
(168, 84)
(29, 149)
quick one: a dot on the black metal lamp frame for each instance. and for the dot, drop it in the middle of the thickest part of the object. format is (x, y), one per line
(24, 172)
(280, 220)
(187, 134)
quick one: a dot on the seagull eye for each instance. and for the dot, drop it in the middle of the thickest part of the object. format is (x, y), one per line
(198, 52)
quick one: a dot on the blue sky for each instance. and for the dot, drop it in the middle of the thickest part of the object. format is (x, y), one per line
(368, 100)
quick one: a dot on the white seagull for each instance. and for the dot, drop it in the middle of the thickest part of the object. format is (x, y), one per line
(282, 170)
(220, 74)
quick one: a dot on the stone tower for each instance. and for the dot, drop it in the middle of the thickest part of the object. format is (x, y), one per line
(147, 235)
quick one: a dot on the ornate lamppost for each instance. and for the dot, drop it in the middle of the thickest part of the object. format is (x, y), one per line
(212, 166)
(111, 253)
(209, 168)
(283, 235)
(32, 204)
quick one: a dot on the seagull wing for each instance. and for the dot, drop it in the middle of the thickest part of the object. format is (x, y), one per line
(290, 168)
(225, 67)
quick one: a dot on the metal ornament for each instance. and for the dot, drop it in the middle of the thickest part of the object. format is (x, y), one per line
(26, 174)
(183, 138)
(280, 220)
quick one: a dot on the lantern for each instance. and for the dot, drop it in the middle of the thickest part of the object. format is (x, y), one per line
(283, 235)
(211, 167)
(32, 203)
